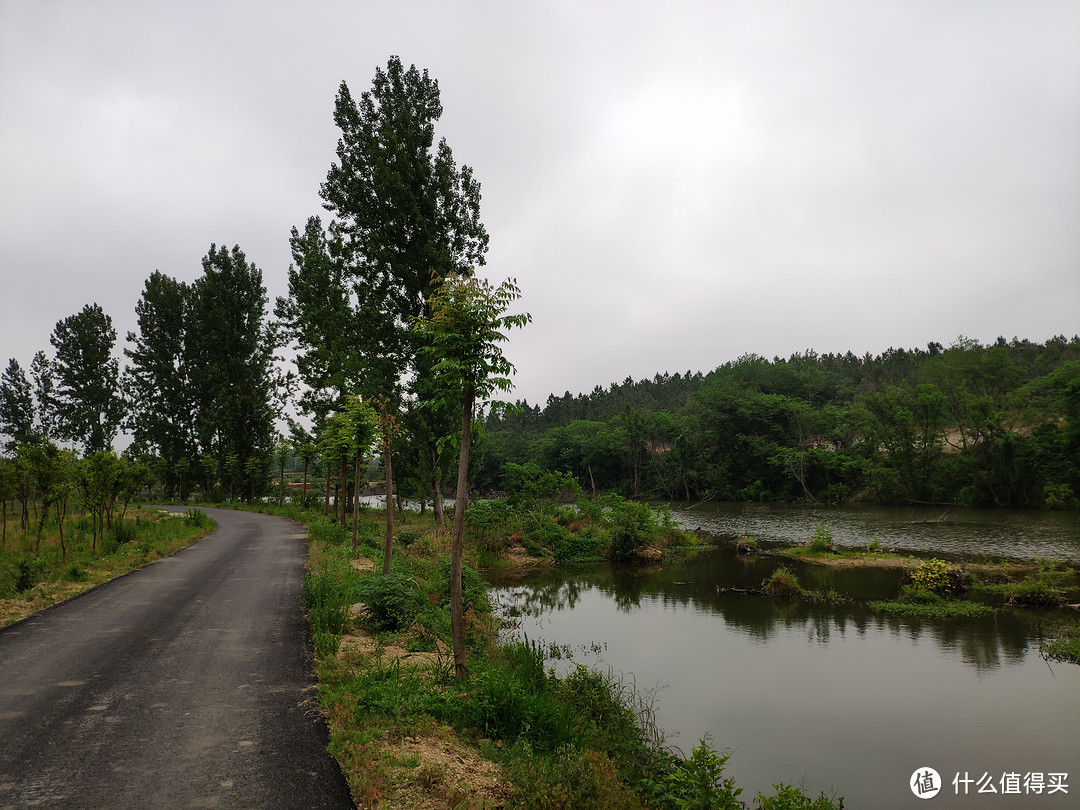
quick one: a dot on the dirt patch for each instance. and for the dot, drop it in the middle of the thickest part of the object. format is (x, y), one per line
(517, 557)
(435, 770)
(363, 565)
(358, 642)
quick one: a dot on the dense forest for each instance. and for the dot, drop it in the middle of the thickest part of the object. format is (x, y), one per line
(994, 425)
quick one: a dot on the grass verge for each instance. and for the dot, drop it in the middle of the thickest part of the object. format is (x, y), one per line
(408, 733)
(31, 582)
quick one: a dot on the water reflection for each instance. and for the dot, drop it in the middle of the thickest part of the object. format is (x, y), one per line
(834, 693)
(709, 586)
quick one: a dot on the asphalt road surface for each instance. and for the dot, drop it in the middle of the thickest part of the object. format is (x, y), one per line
(186, 684)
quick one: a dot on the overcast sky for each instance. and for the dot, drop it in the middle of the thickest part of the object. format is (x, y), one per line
(673, 184)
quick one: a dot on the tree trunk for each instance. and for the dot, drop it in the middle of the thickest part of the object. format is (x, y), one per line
(343, 492)
(60, 525)
(388, 547)
(326, 496)
(457, 548)
(437, 496)
(303, 497)
(356, 504)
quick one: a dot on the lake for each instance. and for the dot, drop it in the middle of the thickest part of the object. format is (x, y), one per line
(831, 696)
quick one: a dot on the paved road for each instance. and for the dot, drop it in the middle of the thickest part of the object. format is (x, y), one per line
(186, 684)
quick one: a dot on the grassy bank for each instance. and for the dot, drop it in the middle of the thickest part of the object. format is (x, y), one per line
(934, 589)
(409, 734)
(34, 573)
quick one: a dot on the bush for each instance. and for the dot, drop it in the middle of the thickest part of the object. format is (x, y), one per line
(1032, 592)
(822, 541)
(746, 545)
(393, 601)
(698, 783)
(789, 797)
(26, 573)
(783, 584)
(633, 526)
(122, 532)
(75, 573)
(407, 537)
(932, 575)
(197, 518)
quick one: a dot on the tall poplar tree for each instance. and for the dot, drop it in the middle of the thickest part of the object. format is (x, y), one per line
(230, 350)
(44, 378)
(88, 402)
(157, 379)
(16, 406)
(402, 210)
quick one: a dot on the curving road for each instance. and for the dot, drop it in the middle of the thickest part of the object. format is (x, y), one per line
(186, 684)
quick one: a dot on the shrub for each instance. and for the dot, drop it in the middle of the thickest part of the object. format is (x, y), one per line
(822, 540)
(393, 601)
(75, 573)
(122, 532)
(26, 572)
(407, 537)
(698, 783)
(633, 525)
(932, 575)
(789, 797)
(783, 584)
(197, 518)
(1032, 592)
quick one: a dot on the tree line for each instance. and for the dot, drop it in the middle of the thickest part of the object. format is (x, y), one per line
(395, 342)
(971, 424)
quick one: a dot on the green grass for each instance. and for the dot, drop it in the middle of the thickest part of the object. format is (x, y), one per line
(30, 582)
(919, 602)
(583, 740)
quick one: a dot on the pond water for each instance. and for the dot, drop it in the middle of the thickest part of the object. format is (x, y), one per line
(944, 531)
(832, 696)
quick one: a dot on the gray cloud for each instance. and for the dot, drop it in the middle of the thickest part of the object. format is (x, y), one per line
(672, 186)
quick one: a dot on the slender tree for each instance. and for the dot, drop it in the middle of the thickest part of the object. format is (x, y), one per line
(230, 350)
(44, 377)
(401, 209)
(88, 402)
(16, 407)
(463, 333)
(157, 380)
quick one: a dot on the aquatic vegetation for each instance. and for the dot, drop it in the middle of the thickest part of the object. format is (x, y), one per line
(920, 602)
(933, 575)
(822, 540)
(746, 545)
(782, 584)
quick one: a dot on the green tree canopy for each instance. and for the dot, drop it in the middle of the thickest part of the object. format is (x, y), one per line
(88, 402)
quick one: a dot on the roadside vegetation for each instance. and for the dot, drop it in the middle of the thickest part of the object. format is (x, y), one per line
(35, 574)
(407, 730)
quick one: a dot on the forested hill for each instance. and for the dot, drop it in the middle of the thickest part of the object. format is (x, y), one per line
(970, 424)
